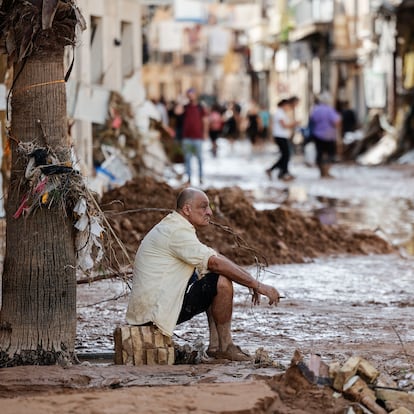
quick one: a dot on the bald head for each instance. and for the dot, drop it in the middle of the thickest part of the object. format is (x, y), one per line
(187, 196)
(194, 206)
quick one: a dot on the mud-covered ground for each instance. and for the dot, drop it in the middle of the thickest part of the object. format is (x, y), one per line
(337, 307)
(347, 292)
(240, 231)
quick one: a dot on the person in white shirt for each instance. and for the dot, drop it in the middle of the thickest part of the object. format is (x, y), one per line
(177, 277)
(282, 130)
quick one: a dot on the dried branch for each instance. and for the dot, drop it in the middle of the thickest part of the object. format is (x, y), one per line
(242, 244)
(104, 301)
(114, 275)
(111, 230)
(408, 357)
(139, 210)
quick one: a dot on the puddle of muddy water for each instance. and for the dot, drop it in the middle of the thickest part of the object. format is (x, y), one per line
(331, 301)
(378, 280)
(393, 219)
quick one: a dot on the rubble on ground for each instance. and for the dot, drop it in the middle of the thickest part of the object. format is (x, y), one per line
(354, 387)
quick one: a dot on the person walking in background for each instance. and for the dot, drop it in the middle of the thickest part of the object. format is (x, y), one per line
(349, 119)
(195, 130)
(215, 126)
(178, 116)
(265, 123)
(253, 124)
(326, 123)
(231, 128)
(293, 102)
(282, 130)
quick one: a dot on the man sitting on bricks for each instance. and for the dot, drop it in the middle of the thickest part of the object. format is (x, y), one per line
(177, 277)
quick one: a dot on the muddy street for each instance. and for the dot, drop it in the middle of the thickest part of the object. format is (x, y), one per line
(336, 306)
(297, 118)
(370, 197)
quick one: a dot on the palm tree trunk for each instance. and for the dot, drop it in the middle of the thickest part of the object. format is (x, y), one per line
(38, 315)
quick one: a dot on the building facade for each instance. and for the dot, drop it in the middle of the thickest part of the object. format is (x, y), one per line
(108, 58)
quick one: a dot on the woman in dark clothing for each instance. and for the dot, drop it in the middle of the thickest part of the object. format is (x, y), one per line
(253, 124)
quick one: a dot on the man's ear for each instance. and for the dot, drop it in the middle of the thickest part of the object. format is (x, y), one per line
(186, 209)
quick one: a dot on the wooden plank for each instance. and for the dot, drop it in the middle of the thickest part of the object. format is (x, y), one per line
(159, 339)
(171, 355)
(118, 346)
(123, 346)
(151, 354)
(358, 389)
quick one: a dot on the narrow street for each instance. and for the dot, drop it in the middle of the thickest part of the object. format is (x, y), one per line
(92, 97)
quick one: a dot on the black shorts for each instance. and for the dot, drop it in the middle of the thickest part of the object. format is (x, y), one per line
(325, 151)
(198, 297)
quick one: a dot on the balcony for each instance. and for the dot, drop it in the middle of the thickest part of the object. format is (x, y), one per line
(310, 17)
(308, 12)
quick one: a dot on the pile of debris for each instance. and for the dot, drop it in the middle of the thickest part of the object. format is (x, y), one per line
(120, 133)
(122, 151)
(239, 231)
(380, 142)
(356, 380)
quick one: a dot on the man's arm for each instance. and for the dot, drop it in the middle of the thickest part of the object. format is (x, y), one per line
(205, 123)
(286, 122)
(225, 267)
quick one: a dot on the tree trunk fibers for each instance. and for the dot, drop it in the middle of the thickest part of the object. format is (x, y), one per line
(38, 315)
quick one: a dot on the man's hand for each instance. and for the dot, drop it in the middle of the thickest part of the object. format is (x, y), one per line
(265, 290)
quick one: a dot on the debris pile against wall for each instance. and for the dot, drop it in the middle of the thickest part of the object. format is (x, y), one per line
(122, 151)
(119, 132)
(239, 231)
(117, 147)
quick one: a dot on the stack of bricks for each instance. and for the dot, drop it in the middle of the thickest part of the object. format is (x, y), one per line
(142, 345)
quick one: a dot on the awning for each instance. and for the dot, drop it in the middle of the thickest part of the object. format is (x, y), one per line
(303, 32)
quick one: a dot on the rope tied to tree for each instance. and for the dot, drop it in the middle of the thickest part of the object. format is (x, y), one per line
(35, 85)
